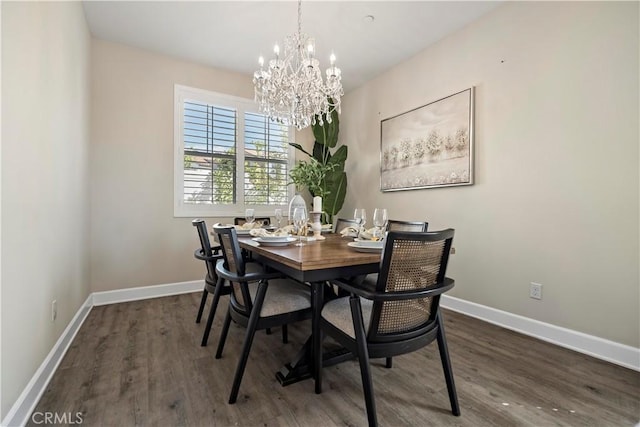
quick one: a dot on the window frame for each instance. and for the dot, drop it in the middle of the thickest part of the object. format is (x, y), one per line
(242, 106)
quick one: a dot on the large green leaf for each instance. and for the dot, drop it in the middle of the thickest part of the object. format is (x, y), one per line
(321, 153)
(340, 156)
(336, 182)
(299, 147)
(327, 134)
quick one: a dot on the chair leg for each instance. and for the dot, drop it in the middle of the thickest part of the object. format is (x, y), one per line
(363, 359)
(285, 334)
(203, 301)
(389, 363)
(317, 363)
(207, 329)
(212, 312)
(223, 334)
(248, 340)
(317, 296)
(446, 367)
(268, 331)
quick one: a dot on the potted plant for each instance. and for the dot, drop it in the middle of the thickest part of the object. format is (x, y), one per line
(311, 175)
(323, 175)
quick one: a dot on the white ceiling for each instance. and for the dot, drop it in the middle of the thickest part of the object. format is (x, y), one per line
(232, 34)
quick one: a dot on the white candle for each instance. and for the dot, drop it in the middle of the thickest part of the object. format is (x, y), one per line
(317, 204)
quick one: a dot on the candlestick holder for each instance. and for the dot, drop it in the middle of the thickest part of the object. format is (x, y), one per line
(316, 226)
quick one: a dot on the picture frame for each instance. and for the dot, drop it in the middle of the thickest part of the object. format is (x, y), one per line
(430, 146)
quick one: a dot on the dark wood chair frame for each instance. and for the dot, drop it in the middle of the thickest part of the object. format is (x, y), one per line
(241, 220)
(373, 344)
(347, 221)
(395, 225)
(210, 255)
(248, 314)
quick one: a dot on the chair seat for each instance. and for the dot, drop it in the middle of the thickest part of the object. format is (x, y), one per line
(338, 313)
(283, 296)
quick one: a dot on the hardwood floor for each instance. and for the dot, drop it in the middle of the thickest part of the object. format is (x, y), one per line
(140, 363)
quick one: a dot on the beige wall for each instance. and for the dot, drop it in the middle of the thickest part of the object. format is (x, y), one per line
(135, 239)
(557, 185)
(45, 181)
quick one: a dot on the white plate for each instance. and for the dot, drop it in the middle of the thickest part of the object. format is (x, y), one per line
(275, 238)
(274, 243)
(364, 248)
(369, 243)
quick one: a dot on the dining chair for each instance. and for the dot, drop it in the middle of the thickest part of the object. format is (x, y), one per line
(342, 223)
(259, 300)
(395, 225)
(210, 255)
(241, 220)
(401, 314)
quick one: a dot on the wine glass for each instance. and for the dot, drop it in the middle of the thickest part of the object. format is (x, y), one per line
(250, 215)
(360, 216)
(278, 215)
(380, 220)
(300, 222)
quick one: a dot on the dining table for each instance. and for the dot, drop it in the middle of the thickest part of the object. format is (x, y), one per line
(315, 263)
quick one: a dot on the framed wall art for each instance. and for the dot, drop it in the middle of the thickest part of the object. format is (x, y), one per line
(430, 146)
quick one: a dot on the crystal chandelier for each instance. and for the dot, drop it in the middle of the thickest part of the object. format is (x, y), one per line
(291, 90)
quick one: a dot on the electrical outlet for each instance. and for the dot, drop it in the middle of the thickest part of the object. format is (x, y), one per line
(535, 290)
(54, 310)
(453, 250)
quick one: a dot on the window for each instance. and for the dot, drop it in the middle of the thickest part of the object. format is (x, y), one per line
(228, 156)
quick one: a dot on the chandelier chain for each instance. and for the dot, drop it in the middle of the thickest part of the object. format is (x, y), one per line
(299, 16)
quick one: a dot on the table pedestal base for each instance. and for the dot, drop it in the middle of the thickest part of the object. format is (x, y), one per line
(300, 369)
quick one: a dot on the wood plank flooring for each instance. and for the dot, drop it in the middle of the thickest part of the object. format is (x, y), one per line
(141, 364)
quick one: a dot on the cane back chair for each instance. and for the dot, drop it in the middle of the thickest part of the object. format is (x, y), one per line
(262, 220)
(210, 255)
(342, 223)
(400, 315)
(395, 225)
(259, 300)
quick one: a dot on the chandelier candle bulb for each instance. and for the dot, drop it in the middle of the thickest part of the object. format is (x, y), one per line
(317, 204)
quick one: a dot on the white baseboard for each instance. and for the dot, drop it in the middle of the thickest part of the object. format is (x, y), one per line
(19, 413)
(21, 410)
(145, 292)
(600, 348)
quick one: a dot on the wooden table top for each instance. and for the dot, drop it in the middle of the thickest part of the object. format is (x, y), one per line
(331, 253)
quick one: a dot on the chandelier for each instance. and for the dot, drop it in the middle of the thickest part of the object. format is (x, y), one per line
(291, 90)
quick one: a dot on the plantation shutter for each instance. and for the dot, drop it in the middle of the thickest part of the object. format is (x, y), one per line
(209, 154)
(265, 161)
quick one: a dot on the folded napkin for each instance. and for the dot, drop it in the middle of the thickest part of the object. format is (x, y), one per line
(287, 228)
(369, 234)
(248, 226)
(349, 232)
(363, 234)
(280, 232)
